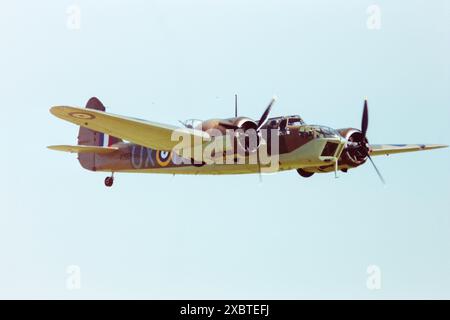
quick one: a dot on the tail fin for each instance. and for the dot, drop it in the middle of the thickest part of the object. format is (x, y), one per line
(88, 137)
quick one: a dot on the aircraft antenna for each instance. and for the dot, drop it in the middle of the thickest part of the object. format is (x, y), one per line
(235, 105)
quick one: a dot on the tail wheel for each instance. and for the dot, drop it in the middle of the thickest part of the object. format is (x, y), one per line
(109, 181)
(304, 174)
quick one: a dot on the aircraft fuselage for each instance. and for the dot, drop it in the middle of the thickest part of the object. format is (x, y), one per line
(299, 147)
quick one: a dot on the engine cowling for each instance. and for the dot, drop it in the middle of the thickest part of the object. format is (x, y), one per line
(245, 123)
(246, 136)
(223, 124)
(354, 153)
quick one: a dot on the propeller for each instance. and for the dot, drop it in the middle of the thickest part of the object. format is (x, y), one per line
(262, 121)
(363, 146)
(376, 169)
(265, 115)
(365, 119)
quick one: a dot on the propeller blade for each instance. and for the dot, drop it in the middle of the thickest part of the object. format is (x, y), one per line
(365, 119)
(265, 115)
(376, 169)
(259, 166)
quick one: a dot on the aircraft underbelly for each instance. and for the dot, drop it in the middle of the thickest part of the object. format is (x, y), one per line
(149, 161)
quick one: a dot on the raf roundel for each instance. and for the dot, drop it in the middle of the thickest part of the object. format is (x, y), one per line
(82, 115)
(163, 157)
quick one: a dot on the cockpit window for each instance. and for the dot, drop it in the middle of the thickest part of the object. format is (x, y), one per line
(295, 121)
(325, 132)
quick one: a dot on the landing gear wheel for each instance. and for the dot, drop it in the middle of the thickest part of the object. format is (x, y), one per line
(304, 174)
(109, 181)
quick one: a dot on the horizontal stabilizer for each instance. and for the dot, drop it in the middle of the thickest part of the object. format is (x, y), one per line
(83, 149)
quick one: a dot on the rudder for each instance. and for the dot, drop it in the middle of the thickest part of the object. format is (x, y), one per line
(88, 137)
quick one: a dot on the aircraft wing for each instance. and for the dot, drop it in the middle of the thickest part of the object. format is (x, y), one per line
(145, 133)
(83, 149)
(387, 149)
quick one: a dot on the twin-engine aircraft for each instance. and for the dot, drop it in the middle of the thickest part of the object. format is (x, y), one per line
(237, 145)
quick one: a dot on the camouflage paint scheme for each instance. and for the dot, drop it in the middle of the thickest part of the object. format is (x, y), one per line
(313, 149)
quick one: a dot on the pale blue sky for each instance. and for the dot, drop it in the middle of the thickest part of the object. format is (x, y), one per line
(159, 236)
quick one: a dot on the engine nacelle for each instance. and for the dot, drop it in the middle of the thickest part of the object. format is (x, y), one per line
(245, 123)
(246, 138)
(351, 156)
(223, 124)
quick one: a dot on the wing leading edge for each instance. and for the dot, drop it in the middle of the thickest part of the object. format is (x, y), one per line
(387, 149)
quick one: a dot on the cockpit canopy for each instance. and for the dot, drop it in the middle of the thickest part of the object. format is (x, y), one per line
(281, 122)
